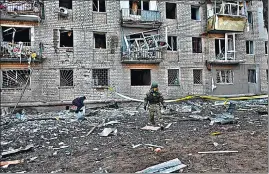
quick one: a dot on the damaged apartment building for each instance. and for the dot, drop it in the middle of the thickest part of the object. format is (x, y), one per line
(58, 50)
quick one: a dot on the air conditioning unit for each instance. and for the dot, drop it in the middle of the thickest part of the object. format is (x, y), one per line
(63, 11)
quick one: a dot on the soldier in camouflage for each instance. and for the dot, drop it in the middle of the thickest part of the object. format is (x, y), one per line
(154, 100)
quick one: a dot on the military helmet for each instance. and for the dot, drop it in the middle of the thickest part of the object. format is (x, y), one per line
(154, 85)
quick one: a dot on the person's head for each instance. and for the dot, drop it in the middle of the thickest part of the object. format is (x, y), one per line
(84, 98)
(154, 86)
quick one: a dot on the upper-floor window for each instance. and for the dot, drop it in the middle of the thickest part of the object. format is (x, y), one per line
(171, 9)
(99, 5)
(195, 13)
(266, 47)
(66, 38)
(196, 45)
(16, 34)
(99, 40)
(172, 42)
(250, 17)
(249, 47)
(65, 3)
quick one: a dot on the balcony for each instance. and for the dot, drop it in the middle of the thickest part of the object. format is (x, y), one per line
(140, 18)
(19, 52)
(22, 10)
(142, 56)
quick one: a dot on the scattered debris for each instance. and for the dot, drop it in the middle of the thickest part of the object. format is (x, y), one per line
(152, 145)
(11, 152)
(166, 167)
(185, 109)
(224, 118)
(91, 130)
(150, 128)
(32, 159)
(215, 144)
(108, 131)
(215, 133)
(111, 122)
(166, 127)
(5, 143)
(56, 171)
(219, 152)
(135, 146)
(199, 117)
(5, 164)
(158, 150)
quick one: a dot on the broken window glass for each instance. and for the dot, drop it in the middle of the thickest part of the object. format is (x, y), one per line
(66, 38)
(172, 42)
(99, 5)
(100, 77)
(65, 3)
(173, 77)
(18, 34)
(252, 76)
(15, 78)
(224, 76)
(197, 76)
(171, 10)
(99, 40)
(196, 45)
(250, 17)
(220, 49)
(140, 77)
(66, 77)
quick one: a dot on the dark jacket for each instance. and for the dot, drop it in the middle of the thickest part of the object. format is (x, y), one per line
(78, 102)
(153, 97)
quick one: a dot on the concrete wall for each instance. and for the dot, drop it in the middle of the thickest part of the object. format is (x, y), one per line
(84, 22)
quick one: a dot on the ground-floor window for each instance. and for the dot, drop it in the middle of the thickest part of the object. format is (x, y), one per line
(173, 77)
(100, 77)
(66, 78)
(197, 76)
(15, 78)
(252, 76)
(140, 77)
(224, 76)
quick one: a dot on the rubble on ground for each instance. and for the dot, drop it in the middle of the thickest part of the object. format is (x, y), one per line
(110, 138)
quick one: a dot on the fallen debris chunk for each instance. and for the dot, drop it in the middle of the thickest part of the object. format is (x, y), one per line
(5, 143)
(219, 152)
(7, 163)
(32, 159)
(150, 128)
(152, 145)
(166, 167)
(108, 131)
(186, 109)
(135, 146)
(56, 171)
(27, 148)
(91, 130)
(199, 117)
(224, 118)
(215, 144)
(111, 122)
(215, 133)
(166, 127)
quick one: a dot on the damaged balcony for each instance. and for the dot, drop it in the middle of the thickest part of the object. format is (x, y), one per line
(226, 17)
(140, 18)
(21, 10)
(143, 48)
(19, 52)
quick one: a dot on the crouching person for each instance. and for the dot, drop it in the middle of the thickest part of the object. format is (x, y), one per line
(80, 110)
(154, 100)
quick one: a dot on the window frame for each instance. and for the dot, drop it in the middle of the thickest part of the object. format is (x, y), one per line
(93, 79)
(201, 76)
(172, 43)
(250, 80)
(219, 72)
(248, 48)
(175, 17)
(94, 44)
(70, 1)
(199, 12)
(14, 88)
(59, 32)
(250, 16)
(98, 7)
(150, 74)
(200, 42)
(177, 72)
(66, 86)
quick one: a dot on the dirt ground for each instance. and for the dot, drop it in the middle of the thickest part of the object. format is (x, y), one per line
(182, 140)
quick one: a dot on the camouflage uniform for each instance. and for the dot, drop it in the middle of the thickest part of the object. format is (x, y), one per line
(154, 99)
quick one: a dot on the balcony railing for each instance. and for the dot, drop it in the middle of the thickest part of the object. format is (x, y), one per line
(21, 7)
(140, 15)
(19, 51)
(139, 56)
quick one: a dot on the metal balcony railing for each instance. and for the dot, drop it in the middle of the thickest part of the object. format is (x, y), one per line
(21, 7)
(18, 51)
(140, 55)
(140, 15)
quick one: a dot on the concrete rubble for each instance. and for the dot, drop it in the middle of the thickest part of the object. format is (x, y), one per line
(53, 138)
